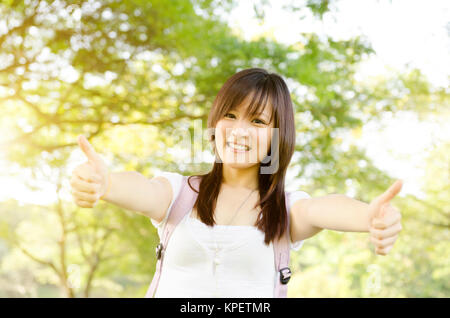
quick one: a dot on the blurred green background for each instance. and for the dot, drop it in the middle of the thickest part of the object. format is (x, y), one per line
(132, 76)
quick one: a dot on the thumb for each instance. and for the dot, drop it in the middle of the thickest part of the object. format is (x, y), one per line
(87, 148)
(390, 193)
(379, 204)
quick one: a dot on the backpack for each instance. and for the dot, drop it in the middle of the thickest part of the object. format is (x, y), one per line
(183, 204)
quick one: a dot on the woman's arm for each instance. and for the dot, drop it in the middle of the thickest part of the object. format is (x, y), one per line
(341, 213)
(133, 191)
(333, 212)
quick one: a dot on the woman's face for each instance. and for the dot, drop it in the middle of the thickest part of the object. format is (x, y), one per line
(254, 134)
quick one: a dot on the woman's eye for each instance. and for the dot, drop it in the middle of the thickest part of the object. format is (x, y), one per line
(260, 121)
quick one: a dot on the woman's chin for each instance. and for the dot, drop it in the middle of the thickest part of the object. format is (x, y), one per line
(239, 162)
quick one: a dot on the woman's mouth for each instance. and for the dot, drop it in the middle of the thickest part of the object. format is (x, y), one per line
(237, 148)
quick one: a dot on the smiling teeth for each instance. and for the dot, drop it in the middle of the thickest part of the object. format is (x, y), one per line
(238, 147)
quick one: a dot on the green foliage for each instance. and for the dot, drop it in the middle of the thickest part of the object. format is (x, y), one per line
(133, 76)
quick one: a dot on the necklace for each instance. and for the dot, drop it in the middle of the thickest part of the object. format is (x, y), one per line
(216, 260)
(235, 213)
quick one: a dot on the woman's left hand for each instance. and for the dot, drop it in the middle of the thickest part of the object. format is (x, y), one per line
(385, 220)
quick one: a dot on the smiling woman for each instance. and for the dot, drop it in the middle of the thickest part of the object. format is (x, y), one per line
(233, 227)
(248, 110)
(236, 216)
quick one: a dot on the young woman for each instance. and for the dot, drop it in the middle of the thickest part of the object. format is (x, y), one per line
(223, 247)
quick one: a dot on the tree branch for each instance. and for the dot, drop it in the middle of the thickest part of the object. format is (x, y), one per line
(37, 259)
(96, 254)
(25, 24)
(433, 207)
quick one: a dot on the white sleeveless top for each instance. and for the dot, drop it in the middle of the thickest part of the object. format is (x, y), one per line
(229, 261)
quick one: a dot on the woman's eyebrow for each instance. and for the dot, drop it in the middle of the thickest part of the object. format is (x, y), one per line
(265, 115)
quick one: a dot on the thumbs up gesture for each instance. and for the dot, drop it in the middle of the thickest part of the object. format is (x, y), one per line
(385, 220)
(89, 180)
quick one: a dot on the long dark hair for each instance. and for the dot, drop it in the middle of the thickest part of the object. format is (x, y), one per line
(265, 87)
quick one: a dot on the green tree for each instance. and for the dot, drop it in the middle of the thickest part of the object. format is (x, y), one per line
(133, 75)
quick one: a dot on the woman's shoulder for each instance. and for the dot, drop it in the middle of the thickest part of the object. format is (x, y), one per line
(296, 195)
(168, 174)
(172, 181)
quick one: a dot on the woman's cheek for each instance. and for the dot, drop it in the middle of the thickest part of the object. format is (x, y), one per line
(220, 134)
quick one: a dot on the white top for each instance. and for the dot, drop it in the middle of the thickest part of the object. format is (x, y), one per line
(221, 261)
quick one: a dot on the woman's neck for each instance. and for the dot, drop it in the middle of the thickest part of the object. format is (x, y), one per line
(241, 178)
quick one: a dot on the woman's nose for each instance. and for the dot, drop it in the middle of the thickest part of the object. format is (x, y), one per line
(240, 130)
(238, 135)
(242, 126)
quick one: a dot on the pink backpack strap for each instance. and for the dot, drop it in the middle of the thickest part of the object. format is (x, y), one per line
(282, 249)
(182, 205)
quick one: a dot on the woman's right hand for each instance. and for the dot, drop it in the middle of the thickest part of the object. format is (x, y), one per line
(89, 180)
